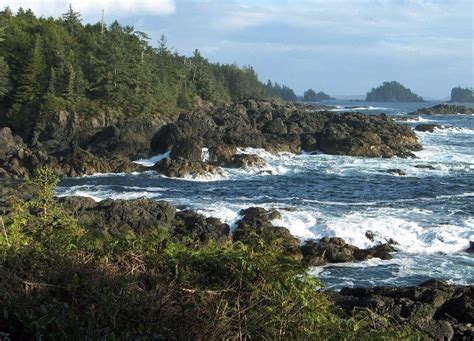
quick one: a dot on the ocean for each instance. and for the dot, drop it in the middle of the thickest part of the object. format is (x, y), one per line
(429, 211)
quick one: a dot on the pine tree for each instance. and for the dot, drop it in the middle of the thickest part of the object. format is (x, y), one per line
(3, 69)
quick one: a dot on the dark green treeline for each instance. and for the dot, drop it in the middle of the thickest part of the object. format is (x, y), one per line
(49, 64)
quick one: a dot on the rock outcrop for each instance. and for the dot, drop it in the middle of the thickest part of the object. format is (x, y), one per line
(430, 128)
(277, 126)
(73, 145)
(444, 109)
(441, 310)
(336, 250)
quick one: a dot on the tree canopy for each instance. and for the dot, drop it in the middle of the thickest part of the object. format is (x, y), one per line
(311, 96)
(392, 92)
(465, 95)
(51, 64)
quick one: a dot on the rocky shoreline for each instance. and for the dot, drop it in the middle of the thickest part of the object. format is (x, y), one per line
(444, 109)
(74, 146)
(442, 311)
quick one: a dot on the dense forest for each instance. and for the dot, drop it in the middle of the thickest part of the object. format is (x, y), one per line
(49, 64)
(311, 96)
(392, 92)
(280, 91)
(465, 95)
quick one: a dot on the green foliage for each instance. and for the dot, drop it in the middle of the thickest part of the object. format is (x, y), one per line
(280, 91)
(4, 69)
(465, 95)
(113, 69)
(58, 280)
(392, 92)
(311, 96)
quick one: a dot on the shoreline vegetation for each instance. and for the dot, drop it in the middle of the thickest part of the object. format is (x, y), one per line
(81, 99)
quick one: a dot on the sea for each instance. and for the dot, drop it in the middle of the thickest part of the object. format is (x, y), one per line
(429, 211)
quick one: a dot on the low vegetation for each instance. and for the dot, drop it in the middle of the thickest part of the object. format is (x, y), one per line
(59, 280)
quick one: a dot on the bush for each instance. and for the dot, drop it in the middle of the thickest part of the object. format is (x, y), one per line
(59, 281)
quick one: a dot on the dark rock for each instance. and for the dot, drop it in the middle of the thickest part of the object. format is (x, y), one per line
(278, 126)
(187, 149)
(440, 310)
(445, 109)
(118, 216)
(396, 171)
(424, 167)
(129, 138)
(189, 224)
(222, 154)
(181, 168)
(336, 250)
(430, 128)
(246, 161)
(470, 249)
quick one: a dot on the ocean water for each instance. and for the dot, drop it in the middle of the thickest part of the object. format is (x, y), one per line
(429, 212)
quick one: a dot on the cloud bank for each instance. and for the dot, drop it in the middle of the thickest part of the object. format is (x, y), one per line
(112, 8)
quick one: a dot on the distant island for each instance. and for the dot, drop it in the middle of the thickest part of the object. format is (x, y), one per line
(311, 96)
(392, 92)
(463, 95)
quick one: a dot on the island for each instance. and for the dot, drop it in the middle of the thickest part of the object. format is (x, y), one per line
(311, 96)
(463, 95)
(392, 92)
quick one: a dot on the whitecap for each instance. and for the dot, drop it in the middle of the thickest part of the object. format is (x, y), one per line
(152, 160)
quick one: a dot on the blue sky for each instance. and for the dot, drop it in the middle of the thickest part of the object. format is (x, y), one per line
(340, 47)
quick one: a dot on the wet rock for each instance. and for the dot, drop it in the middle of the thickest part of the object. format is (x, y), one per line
(198, 228)
(221, 155)
(336, 250)
(430, 128)
(181, 168)
(246, 161)
(396, 171)
(470, 249)
(424, 167)
(278, 126)
(187, 149)
(444, 109)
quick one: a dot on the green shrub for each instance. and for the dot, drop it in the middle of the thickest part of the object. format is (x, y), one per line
(59, 281)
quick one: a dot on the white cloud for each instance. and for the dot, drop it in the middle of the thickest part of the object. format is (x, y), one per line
(88, 8)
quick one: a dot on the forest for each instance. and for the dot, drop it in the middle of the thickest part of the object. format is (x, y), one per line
(49, 64)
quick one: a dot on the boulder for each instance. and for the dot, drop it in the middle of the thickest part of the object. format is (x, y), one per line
(430, 128)
(198, 228)
(336, 250)
(245, 161)
(470, 249)
(180, 168)
(395, 171)
(221, 155)
(442, 311)
(187, 149)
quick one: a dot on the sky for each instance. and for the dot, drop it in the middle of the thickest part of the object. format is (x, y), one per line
(341, 47)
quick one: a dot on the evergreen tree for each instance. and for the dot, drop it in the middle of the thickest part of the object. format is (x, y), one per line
(3, 69)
